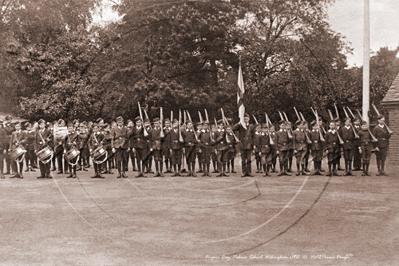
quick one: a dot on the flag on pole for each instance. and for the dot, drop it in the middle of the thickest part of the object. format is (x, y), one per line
(240, 96)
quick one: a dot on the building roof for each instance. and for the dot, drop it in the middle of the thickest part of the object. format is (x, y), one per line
(392, 95)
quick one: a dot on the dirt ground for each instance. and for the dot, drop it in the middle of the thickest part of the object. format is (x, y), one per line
(291, 220)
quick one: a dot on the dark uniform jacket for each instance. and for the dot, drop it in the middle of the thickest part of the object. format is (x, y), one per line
(173, 139)
(299, 140)
(18, 138)
(348, 137)
(365, 138)
(4, 141)
(263, 143)
(43, 138)
(119, 137)
(220, 140)
(282, 140)
(189, 137)
(205, 138)
(156, 140)
(316, 144)
(138, 138)
(382, 135)
(246, 136)
(107, 141)
(332, 141)
(70, 140)
(82, 139)
(30, 139)
(165, 141)
(96, 140)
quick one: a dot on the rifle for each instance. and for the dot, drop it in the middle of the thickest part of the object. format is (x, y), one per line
(297, 114)
(256, 121)
(141, 117)
(336, 110)
(180, 136)
(378, 113)
(162, 134)
(227, 122)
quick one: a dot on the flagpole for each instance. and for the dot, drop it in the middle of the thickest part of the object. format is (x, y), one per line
(366, 61)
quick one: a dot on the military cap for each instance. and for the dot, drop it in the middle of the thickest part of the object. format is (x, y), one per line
(166, 120)
(363, 123)
(347, 118)
(75, 121)
(227, 126)
(27, 124)
(156, 119)
(146, 120)
(220, 121)
(205, 123)
(127, 121)
(99, 120)
(70, 124)
(8, 117)
(41, 121)
(137, 118)
(313, 123)
(265, 125)
(198, 124)
(337, 119)
(119, 119)
(246, 115)
(379, 117)
(230, 120)
(298, 122)
(189, 122)
(17, 123)
(82, 124)
(175, 121)
(281, 122)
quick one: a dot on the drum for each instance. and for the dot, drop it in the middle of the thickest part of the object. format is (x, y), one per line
(16, 153)
(99, 155)
(72, 154)
(45, 155)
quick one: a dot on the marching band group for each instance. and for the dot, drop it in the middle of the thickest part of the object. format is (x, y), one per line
(171, 143)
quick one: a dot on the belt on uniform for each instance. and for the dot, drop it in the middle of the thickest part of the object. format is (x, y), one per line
(346, 141)
(221, 142)
(175, 141)
(265, 146)
(365, 143)
(334, 143)
(382, 139)
(138, 139)
(315, 141)
(284, 144)
(301, 142)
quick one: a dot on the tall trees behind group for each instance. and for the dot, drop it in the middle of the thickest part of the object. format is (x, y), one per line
(180, 54)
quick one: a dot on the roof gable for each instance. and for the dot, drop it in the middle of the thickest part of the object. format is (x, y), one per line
(393, 92)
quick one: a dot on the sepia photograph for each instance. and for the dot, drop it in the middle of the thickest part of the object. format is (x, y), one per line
(199, 132)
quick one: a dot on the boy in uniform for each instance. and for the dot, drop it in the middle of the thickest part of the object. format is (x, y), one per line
(365, 147)
(282, 143)
(380, 131)
(316, 147)
(69, 143)
(119, 146)
(333, 149)
(96, 140)
(43, 138)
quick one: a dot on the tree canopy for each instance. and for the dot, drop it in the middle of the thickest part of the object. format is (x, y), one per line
(180, 55)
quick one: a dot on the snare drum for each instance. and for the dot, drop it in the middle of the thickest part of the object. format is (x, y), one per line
(99, 155)
(45, 155)
(71, 154)
(16, 153)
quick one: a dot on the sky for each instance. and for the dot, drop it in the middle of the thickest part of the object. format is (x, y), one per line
(346, 17)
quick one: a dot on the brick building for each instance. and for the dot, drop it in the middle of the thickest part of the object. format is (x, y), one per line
(391, 103)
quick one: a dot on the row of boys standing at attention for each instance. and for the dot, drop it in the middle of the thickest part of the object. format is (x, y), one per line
(144, 143)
